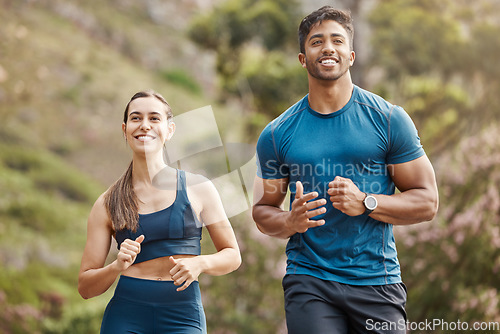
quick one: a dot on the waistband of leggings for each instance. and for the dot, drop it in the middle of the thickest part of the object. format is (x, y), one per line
(158, 292)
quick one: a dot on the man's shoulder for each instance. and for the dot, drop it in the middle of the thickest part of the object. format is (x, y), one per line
(291, 112)
(373, 101)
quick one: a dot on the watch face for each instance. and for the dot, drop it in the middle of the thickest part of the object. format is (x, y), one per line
(371, 202)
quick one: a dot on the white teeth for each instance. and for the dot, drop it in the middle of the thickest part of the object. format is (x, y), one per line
(328, 61)
(144, 138)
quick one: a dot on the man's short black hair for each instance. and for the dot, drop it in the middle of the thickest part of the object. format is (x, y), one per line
(344, 18)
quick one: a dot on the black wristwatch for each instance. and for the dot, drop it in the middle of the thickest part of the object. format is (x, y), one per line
(370, 203)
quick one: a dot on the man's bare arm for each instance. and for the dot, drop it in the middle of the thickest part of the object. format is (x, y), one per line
(272, 220)
(417, 201)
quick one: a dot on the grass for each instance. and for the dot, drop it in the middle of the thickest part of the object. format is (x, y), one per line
(43, 210)
(61, 107)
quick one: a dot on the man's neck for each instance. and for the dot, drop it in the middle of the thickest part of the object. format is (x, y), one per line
(327, 97)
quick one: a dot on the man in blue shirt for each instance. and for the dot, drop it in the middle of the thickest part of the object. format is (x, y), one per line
(342, 151)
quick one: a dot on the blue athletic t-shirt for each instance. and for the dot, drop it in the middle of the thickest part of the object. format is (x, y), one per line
(355, 142)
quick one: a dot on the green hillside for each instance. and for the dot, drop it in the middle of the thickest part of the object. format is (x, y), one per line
(68, 68)
(43, 211)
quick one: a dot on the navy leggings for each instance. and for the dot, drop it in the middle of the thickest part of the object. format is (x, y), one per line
(142, 306)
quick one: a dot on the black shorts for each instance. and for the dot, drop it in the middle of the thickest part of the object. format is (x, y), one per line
(315, 306)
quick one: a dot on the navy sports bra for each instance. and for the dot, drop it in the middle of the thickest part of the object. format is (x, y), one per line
(173, 230)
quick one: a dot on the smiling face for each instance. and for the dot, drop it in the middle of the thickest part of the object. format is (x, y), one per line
(147, 126)
(327, 51)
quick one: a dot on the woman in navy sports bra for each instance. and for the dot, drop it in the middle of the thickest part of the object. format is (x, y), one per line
(156, 214)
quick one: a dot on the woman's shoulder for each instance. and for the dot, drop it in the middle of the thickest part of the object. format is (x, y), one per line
(100, 202)
(100, 205)
(99, 215)
(198, 181)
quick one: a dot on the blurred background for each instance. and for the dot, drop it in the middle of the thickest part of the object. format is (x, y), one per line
(68, 68)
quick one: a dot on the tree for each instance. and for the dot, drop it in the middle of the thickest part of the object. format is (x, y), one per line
(438, 61)
(254, 42)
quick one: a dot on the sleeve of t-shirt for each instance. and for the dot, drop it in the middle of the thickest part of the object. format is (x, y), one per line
(404, 140)
(269, 164)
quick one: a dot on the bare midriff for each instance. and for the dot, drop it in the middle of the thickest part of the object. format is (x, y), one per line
(155, 269)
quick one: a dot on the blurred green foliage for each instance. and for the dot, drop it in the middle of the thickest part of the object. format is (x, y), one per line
(67, 69)
(451, 266)
(181, 78)
(256, 51)
(43, 209)
(414, 37)
(437, 58)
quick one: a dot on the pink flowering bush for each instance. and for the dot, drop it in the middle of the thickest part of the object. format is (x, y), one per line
(451, 264)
